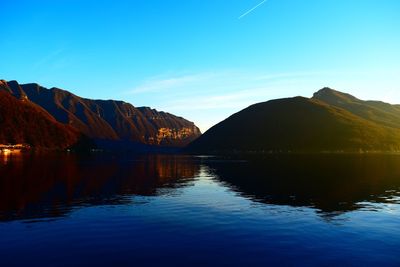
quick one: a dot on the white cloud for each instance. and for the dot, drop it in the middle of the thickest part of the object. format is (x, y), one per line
(157, 84)
(209, 97)
(210, 81)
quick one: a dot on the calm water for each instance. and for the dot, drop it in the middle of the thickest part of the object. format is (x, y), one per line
(171, 210)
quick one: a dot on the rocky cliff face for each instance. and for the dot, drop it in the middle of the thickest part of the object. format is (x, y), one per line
(22, 122)
(108, 119)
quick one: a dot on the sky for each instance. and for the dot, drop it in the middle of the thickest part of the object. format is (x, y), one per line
(203, 59)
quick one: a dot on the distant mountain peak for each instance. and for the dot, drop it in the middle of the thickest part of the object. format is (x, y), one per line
(331, 95)
(331, 121)
(327, 91)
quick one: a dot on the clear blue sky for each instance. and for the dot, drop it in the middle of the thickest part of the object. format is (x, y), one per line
(197, 58)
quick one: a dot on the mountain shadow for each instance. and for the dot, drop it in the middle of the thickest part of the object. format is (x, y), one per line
(331, 121)
(22, 122)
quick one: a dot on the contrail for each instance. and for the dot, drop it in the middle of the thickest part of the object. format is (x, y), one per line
(251, 10)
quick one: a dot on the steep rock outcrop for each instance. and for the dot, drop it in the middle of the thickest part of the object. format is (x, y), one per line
(22, 122)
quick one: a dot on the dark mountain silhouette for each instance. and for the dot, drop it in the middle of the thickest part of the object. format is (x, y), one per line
(107, 121)
(375, 111)
(22, 122)
(331, 121)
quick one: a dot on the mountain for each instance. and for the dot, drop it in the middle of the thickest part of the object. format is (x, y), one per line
(108, 122)
(375, 111)
(22, 122)
(330, 121)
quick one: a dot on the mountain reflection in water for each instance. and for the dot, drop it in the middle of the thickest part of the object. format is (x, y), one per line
(175, 210)
(52, 185)
(41, 186)
(332, 184)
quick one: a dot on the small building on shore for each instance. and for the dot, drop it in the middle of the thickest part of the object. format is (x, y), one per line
(10, 148)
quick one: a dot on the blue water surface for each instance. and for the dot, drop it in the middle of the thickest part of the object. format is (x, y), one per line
(176, 210)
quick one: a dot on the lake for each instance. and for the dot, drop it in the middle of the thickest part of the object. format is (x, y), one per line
(177, 210)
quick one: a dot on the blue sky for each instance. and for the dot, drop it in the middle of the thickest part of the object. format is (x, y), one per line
(201, 59)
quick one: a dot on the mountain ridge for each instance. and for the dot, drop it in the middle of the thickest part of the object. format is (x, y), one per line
(330, 121)
(107, 120)
(21, 122)
(377, 111)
